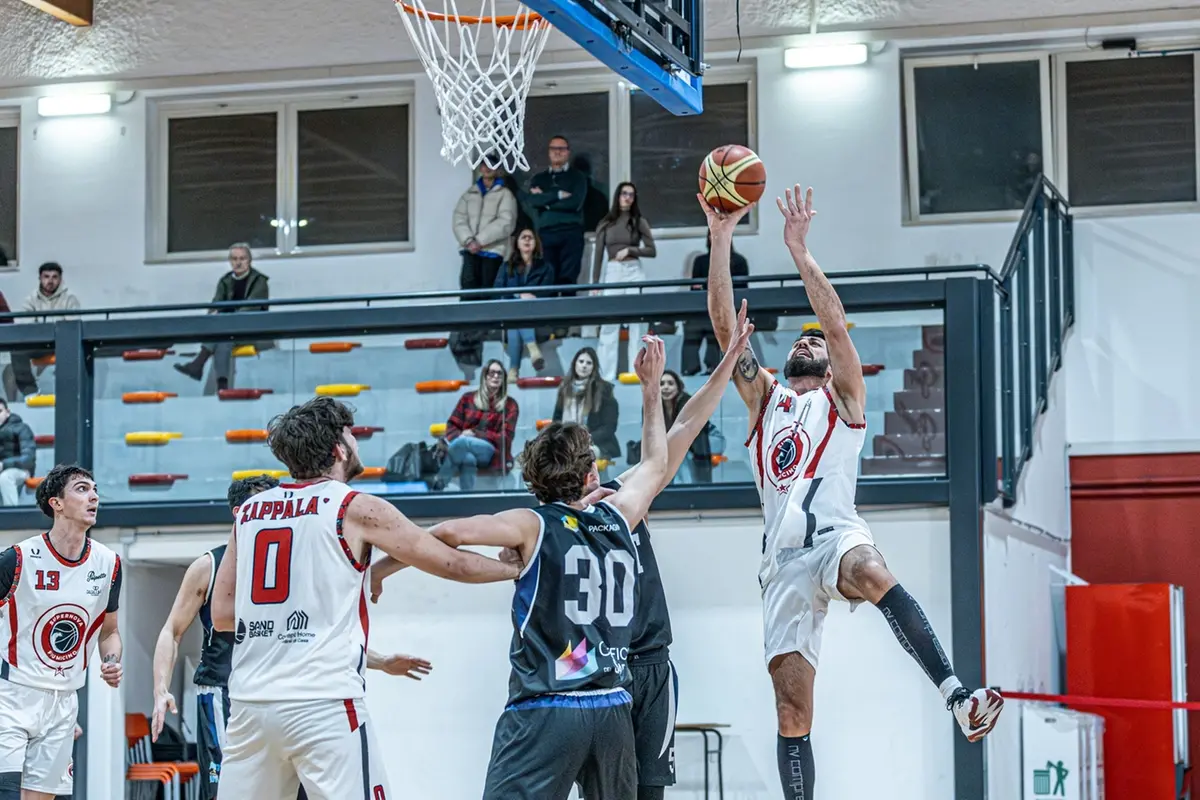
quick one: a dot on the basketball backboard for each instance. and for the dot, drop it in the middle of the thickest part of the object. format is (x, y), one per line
(658, 45)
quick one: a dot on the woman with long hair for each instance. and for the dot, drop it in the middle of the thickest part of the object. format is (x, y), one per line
(480, 431)
(524, 268)
(710, 442)
(586, 398)
(623, 239)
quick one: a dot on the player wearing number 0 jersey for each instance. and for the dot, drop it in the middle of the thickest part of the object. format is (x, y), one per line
(804, 442)
(568, 714)
(60, 594)
(292, 588)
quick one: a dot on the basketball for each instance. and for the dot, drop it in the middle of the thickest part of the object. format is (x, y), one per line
(732, 177)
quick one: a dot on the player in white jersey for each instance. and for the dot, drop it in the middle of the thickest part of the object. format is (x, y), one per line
(292, 585)
(60, 593)
(805, 439)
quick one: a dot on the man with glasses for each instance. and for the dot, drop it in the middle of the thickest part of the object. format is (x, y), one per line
(557, 196)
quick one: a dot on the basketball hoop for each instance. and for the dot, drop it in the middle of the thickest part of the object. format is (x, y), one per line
(481, 67)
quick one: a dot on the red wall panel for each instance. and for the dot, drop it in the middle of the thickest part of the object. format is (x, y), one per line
(1136, 519)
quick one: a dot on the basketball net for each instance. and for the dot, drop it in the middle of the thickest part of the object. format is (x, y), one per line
(481, 68)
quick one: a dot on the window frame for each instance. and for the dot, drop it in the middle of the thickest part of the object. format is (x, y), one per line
(286, 107)
(620, 121)
(10, 117)
(1059, 61)
(913, 215)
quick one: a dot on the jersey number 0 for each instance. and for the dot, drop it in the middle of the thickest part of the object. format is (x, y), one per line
(591, 586)
(272, 580)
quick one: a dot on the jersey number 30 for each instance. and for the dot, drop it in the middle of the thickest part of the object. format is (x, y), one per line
(592, 587)
(272, 580)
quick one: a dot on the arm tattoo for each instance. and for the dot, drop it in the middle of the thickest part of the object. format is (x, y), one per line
(747, 365)
(110, 659)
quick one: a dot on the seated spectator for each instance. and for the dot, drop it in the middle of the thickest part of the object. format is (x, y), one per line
(242, 282)
(483, 224)
(524, 268)
(51, 295)
(586, 398)
(18, 455)
(480, 431)
(710, 442)
(699, 331)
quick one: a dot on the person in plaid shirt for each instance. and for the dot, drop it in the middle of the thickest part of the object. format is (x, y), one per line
(480, 431)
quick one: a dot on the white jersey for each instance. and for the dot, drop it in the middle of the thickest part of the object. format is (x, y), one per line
(805, 461)
(53, 612)
(300, 599)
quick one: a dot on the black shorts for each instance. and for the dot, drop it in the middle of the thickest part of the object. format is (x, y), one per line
(212, 706)
(545, 745)
(655, 692)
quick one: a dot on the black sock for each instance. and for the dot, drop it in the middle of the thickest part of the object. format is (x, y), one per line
(796, 770)
(651, 792)
(916, 636)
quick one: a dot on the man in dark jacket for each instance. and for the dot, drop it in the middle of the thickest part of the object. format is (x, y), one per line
(17, 455)
(242, 282)
(558, 196)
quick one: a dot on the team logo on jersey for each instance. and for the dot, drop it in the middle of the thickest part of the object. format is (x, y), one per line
(575, 663)
(239, 635)
(786, 456)
(570, 522)
(58, 636)
(297, 629)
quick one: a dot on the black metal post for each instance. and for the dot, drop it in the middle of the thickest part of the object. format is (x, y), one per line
(1025, 399)
(1056, 278)
(1007, 423)
(1068, 247)
(73, 445)
(1040, 342)
(964, 341)
(988, 393)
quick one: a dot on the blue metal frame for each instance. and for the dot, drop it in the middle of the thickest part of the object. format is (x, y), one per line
(679, 92)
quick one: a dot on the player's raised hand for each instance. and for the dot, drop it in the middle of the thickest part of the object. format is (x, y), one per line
(163, 702)
(797, 215)
(741, 334)
(720, 221)
(651, 361)
(406, 666)
(598, 494)
(111, 671)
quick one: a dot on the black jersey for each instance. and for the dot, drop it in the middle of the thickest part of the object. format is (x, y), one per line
(652, 625)
(217, 652)
(573, 607)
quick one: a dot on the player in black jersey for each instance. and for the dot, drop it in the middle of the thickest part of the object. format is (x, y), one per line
(212, 674)
(655, 683)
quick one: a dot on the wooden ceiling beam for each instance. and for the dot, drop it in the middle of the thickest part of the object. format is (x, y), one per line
(76, 12)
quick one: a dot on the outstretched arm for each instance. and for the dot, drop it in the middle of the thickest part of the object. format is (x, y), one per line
(694, 415)
(222, 604)
(752, 381)
(633, 499)
(187, 605)
(399, 664)
(849, 388)
(378, 523)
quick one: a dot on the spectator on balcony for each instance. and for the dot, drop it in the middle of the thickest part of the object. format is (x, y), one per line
(586, 398)
(697, 468)
(484, 220)
(525, 268)
(480, 431)
(700, 331)
(558, 196)
(242, 282)
(18, 454)
(623, 239)
(51, 295)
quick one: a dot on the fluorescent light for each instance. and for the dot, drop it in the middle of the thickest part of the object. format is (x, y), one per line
(838, 55)
(74, 105)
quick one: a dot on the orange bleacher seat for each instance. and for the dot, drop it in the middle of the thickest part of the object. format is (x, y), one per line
(333, 347)
(32, 483)
(44, 440)
(425, 344)
(242, 394)
(427, 387)
(365, 431)
(372, 473)
(542, 424)
(43, 361)
(246, 435)
(718, 459)
(146, 397)
(155, 478)
(146, 355)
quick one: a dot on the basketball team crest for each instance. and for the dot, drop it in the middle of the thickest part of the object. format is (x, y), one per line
(788, 451)
(58, 636)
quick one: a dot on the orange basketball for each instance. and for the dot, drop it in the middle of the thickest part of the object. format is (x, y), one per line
(731, 177)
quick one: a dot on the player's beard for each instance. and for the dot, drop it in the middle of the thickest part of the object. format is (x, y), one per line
(802, 367)
(354, 468)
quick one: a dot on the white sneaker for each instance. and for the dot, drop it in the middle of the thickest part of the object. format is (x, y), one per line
(976, 712)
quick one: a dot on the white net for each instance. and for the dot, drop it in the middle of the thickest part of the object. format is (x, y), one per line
(481, 67)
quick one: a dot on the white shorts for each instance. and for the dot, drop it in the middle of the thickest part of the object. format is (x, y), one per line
(796, 598)
(326, 745)
(37, 731)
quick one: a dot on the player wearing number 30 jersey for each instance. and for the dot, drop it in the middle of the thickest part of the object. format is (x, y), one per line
(292, 588)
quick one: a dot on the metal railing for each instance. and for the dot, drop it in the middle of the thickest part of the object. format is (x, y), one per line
(1036, 293)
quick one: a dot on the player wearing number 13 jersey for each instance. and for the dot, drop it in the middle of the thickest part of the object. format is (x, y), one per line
(292, 588)
(804, 443)
(568, 717)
